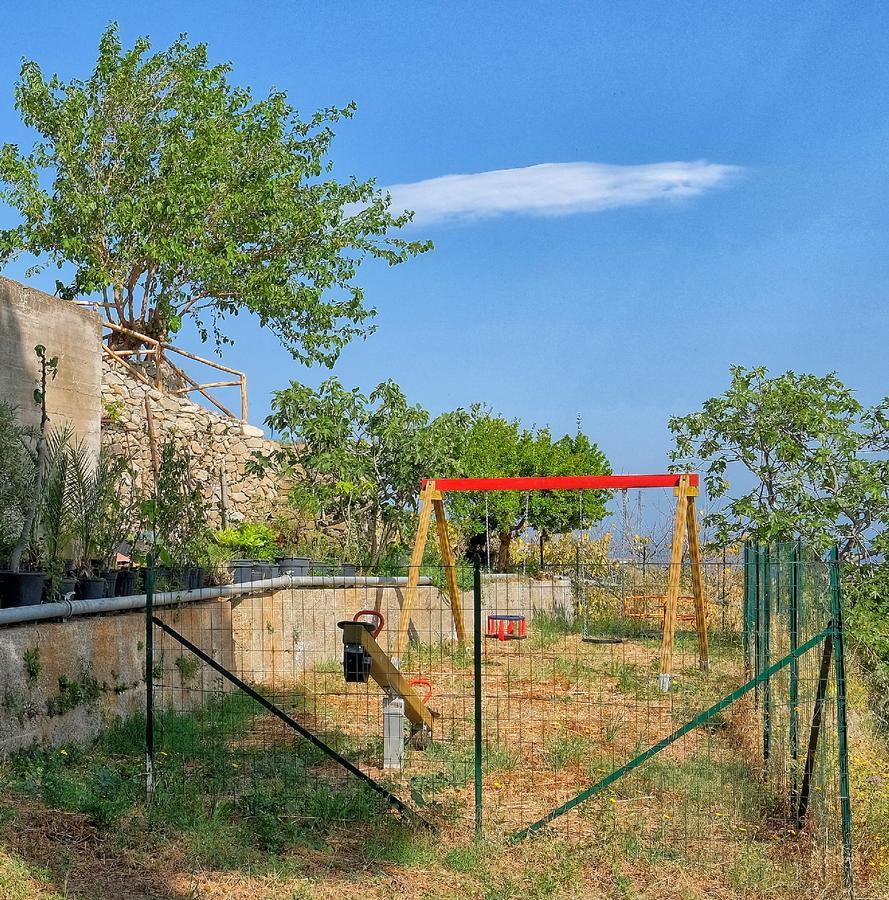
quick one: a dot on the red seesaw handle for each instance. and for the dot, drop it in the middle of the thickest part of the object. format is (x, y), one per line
(422, 682)
(371, 612)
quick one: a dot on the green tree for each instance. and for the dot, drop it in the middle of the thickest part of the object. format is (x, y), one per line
(806, 458)
(359, 459)
(496, 447)
(170, 193)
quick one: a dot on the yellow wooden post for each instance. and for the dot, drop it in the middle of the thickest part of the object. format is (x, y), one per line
(673, 584)
(413, 575)
(697, 580)
(447, 557)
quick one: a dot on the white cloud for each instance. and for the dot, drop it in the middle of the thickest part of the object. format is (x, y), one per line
(554, 189)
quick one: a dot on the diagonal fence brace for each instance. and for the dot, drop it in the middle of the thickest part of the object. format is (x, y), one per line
(680, 732)
(387, 795)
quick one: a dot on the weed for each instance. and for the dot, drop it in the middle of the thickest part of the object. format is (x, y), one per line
(188, 667)
(329, 667)
(612, 728)
(632, 681)
(469, 859)
(550, 628)
(566, 750)
(31, 660)
(83, 689)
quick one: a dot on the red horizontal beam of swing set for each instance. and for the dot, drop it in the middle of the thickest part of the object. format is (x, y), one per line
(563, 482)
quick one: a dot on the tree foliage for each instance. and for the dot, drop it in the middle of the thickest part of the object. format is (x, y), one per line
(172, 193)
(814, 459)
(498, 447)
(360, 458)
(175, 513)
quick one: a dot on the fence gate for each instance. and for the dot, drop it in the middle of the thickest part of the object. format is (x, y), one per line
(250, 704)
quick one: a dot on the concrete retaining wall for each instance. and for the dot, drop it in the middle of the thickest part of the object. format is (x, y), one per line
(62, 681)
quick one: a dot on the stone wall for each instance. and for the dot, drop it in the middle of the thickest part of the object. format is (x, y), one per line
(220, 448)
(29, 317)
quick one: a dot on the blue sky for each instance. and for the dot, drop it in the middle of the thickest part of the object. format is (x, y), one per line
(623, 315)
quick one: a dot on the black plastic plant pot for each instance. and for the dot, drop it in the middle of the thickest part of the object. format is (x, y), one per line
(110, 577)
(67, 586)
(263, 570)
(126, 583)
(21, 588)
(91, 588)
(195, 578)
(348, 570)
(294, 565)
(242, 570)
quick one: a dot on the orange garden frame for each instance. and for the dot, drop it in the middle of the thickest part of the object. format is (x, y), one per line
(685, 488)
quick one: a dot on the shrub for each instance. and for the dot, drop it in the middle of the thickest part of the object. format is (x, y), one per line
(250, 540)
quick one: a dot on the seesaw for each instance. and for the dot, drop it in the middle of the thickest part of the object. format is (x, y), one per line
(363, 659)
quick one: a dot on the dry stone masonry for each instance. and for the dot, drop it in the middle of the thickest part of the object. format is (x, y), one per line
(220, 448)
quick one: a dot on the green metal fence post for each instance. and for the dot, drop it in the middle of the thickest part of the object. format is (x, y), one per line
(477, 690)
(793, 615)
(842, 734)
(757, 617)
(746, 610)
(149, 677)
(766, 624)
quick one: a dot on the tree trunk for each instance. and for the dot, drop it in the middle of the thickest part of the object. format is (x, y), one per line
(503, 551)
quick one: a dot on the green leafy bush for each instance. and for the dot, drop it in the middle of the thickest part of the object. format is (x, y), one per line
(249, 540)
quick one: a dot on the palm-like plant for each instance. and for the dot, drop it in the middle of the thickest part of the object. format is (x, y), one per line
(101, 507)
(54, 512)
(16, 477)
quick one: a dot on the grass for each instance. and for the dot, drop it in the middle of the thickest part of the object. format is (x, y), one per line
(549, 629)
(19, 881)
(240, 807)
(565, 750)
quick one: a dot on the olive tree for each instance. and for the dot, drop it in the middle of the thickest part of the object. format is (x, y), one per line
(169, 193)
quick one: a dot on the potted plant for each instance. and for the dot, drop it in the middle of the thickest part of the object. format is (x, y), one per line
(98, 516)
(288, 533)
(16, 482)
(24, 581)
(54, 514)
(176, 518)
(256, 544)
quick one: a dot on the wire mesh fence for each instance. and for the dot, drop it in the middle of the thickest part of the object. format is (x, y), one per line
(293, 700)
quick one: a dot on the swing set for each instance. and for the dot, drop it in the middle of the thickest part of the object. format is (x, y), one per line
(685, 526)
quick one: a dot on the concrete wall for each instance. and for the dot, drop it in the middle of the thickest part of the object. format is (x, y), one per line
(267, 639)
(29, 317)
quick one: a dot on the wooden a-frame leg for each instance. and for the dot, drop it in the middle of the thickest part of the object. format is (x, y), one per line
(673, 585)
(447, 558)
(413, 575)
(697, 578)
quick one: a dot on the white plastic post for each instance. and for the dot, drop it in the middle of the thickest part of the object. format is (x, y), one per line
(393, 732)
